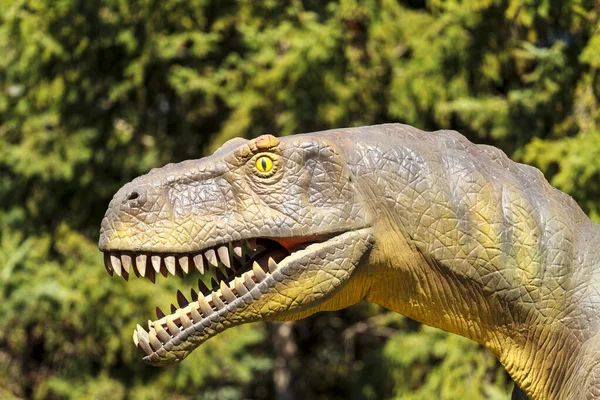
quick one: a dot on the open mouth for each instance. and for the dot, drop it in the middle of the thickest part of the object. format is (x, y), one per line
(236, 269)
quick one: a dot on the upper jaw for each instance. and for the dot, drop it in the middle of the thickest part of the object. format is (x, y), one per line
(282, 285)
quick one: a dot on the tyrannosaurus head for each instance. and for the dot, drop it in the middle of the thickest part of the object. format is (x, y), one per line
(278, 224)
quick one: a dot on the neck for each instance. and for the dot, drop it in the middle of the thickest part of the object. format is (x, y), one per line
(472, 243)
(534, 340)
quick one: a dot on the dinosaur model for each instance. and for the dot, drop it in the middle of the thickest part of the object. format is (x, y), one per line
(426, 224)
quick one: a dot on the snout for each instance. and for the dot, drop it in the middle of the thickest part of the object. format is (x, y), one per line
(133, 208)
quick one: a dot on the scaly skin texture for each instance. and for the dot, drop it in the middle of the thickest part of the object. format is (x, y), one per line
(449, 233)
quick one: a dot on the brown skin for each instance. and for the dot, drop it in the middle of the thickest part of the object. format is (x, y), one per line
(426, 224)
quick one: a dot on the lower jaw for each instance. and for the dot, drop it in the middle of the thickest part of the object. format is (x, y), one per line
(298, 281)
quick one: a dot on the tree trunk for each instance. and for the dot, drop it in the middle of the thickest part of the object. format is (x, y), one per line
(284, 348)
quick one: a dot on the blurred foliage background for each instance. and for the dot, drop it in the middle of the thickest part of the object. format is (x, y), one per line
(94, 93)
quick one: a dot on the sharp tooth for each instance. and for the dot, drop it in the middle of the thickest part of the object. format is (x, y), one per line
(237, 249)
(154, 342)
(203, 288)
(199, 262)
(173, 309)
(116, 264)
(126, 262)
(107, 265)
(145, 344)
(140, 264)
(248, 281)
(217, 301)
(227, 293)
(204, 306)
(136, 341)
(170, 264)
(162, 334)
(196, 317)
(183, 263)
(141, 331)
(185, 320)
(159, 313)
(193, 295)
(155, 263)
(258, 272)
(223, 252)
(150, 326)
(211, 257)
(183, 302)
(272, 265)
(173, 328)
(239, 287)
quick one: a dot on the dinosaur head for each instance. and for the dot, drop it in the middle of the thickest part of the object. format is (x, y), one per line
(278, 225)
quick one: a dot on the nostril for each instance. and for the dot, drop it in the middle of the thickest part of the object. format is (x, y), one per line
(133, 196)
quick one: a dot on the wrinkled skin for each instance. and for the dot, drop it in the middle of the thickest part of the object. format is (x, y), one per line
(449, 233)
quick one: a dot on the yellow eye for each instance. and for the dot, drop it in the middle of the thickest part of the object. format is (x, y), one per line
(264, 164)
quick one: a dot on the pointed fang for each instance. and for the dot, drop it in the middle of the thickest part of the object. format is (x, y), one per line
(116, 264)
(199, 262)
(258, 272)
(204, 306)
(162, 334)
(211, 257)
(249, 282)
(239, 287)
(196, 317)
(154, 342)
(155, 263)
(170, 264)
(173, 328)
(185, 320)
(227, 293)
(237, 249)
(272, 265)
(223, 252)
(145, 344)
(184, 264)
(126, 262)
(140, 264)
(218, 302)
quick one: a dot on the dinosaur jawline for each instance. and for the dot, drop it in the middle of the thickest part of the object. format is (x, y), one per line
(239, 268)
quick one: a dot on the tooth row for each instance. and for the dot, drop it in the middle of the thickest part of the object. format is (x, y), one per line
(166, 327)
(149, 265)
